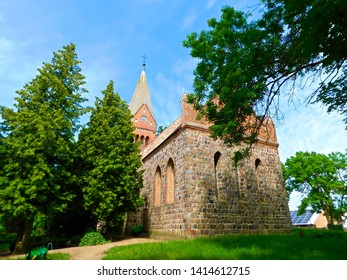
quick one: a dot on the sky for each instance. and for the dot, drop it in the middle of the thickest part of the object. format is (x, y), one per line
(112, 36)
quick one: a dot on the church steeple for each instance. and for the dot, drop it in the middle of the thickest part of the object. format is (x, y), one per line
(141, 94)
(141, 107)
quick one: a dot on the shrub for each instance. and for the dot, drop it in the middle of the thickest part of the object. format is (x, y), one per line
(7, 241)
(92, 238)
(137, 230)
(4, 246)
(7, 237)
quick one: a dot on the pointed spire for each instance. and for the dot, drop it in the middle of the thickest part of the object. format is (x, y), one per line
(141, 94)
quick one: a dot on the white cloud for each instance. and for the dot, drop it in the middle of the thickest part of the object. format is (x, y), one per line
(167, 94)
(6, 47)
(16, 69)
(189, 20)
(167, 90)
(184, 70)
(210, 4)
(311, 129)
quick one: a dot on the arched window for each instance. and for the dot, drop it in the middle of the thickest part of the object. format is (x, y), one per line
(237, 158)
(147, 141)
(258, 172)
(137, 138)
(157, 187)
(217, 173)
(170, 182)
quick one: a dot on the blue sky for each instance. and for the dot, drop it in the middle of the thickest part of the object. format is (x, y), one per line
(111, 38)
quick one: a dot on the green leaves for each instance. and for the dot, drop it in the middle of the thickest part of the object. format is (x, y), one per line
(322, 179)
(230, 55)
(37, 146)
(111, 178)
(246, 64)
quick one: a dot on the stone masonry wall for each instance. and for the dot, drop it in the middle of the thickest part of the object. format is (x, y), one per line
(228, 199)
(211, 195)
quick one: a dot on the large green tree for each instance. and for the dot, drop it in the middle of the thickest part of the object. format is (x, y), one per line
(39, 144)
(246, 63)
(112, 162)
(322, 180)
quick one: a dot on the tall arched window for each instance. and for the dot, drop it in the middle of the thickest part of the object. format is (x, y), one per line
(147, 141)
(237, 159)
(217, 172)
(258, 171)
(170, 182)
(157, 187)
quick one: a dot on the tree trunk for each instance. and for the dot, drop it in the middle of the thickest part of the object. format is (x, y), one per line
(19, 237)
(23, 238)
(328, 214)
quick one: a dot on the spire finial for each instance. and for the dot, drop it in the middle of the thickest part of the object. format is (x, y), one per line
(144, 61)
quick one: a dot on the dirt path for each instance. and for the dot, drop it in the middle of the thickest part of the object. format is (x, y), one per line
(97, 252)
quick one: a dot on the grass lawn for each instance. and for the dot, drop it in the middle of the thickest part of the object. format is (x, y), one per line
(58, 256)
(312, 245)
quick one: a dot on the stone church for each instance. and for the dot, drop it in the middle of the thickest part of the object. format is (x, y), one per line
(191, 185)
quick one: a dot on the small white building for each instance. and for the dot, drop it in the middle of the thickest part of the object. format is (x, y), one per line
(308, 219)
(314, 220)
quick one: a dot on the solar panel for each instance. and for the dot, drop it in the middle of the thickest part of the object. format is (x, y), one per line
(302, 219)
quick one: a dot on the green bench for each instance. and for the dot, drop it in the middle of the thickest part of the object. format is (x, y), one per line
(38, 253)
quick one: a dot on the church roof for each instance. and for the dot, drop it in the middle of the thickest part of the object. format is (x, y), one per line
(141, 95)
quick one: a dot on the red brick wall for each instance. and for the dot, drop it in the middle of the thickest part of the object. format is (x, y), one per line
(145, 126)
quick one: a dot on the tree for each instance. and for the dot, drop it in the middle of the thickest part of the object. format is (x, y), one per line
(160, 129)
(322, 180)
(244, 65)
(112, 178)
(2, 164)
(39, 144)
(2, 153)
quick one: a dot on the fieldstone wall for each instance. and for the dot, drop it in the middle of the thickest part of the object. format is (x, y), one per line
(211, 195)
